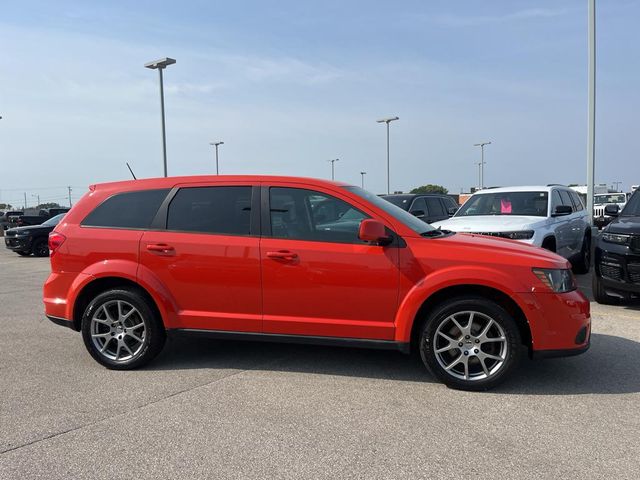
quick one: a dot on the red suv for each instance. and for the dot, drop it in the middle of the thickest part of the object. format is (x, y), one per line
(303, 260)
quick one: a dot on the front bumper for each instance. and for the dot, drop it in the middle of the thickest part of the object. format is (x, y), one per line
(560, 323)
(18, 243)
(618, 268)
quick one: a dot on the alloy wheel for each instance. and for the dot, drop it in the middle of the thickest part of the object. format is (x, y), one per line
(470, 345)
(118, 330)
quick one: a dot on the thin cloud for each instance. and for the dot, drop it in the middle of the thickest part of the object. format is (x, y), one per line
(528, 14)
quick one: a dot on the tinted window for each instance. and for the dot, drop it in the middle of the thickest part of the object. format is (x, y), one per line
(222, 210)
(53, 221)
(632, 208)
(417, 205)
(300, 214)
(127, 210)
(577, 201)
(506, 203)
(450, 202)
(566, 200)
(434, 206)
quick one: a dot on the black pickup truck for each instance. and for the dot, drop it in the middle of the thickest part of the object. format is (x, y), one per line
(44, 215)
(31, 239)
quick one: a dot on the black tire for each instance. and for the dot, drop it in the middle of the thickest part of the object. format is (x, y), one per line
(599, 293)
(24, 253)
(40, 248)
(582, 263)
(510, 348)
(549, 243)
(152, 338)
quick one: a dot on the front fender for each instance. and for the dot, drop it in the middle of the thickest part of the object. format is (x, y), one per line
(452, 277)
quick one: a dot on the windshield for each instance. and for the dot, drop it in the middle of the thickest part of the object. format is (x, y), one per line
(506, 203)
(53, 221)
(632, 208)
(398, 213)
(610, 198)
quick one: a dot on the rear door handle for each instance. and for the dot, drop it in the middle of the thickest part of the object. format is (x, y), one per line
(161, 249)
(282, 255)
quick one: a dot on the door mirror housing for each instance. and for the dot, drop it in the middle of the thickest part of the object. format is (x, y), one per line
(373, 231)
(452, 211)
(612, 210)
(562, 210)
(418, 213)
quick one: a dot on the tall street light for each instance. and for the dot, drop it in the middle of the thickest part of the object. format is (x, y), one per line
(591, 107)
(216, 144)
(482, 162)
(363, 174)
(333, 171)
(160, 65)
(388, 121)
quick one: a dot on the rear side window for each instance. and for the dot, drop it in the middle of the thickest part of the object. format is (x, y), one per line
(435, 207)
(127, 210)
(221, 210)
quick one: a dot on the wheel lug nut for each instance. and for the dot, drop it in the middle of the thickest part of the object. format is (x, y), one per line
(477, 340)
(475, 350)
(467, 337)
(466, 352)
(460, 344)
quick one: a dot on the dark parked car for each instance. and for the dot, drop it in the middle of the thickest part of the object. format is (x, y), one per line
(9, 218)
(617, 260)
(43, 215)
(32, 239)
(428, 207)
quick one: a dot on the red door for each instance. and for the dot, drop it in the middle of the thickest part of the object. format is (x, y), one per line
(208, 258)
(318, 278)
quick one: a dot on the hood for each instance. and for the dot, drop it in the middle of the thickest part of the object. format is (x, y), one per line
(29, 228)
(625, 225)
(489, 223)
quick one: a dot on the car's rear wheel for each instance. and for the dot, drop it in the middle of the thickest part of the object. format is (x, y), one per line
(470, 343)
(600, 295)
(41, 248)
(121, 329)
(23, 253)
(583, 263)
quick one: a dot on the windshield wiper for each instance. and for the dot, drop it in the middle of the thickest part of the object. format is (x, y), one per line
(435, 233)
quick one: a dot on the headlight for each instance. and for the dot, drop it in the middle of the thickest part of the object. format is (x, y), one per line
(523, 235)
(559, 281)
(616, 238)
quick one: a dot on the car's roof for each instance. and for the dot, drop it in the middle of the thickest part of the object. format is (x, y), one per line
(413, 195)
(162, 182)
(524, 188)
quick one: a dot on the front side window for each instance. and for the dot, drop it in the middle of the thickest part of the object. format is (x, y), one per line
(577, 200)
(220, 210)
(127, 210)
(434, 207)
(300, 214)
(566, 199)
(506, 203)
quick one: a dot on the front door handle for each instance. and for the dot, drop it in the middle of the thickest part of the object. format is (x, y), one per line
(282, 255)
(161, 249)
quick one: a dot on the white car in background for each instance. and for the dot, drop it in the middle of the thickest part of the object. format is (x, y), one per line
(551, 217)
(600, 202)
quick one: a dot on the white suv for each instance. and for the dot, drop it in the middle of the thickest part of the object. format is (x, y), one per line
(551, 217)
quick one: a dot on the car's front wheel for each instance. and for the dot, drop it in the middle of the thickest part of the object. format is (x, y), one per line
(121, 329)
(41, 248)
(23, 253)
(470, 343)
(600, 295)
(582, 263)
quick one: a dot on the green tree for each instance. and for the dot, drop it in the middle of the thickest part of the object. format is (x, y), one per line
(49, 205)
(430, 189)
(5, 206)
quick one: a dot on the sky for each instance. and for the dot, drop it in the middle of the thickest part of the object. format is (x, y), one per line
(288, 85)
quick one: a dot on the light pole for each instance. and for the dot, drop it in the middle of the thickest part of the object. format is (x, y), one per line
(36, 197)
(591, 107)
(363, 174)
(482, 162)
(333, 162)
(479, 174)
(388, 121)
(216, 144)
(161, 65)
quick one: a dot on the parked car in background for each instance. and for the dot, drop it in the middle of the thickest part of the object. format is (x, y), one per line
(9, 218)
(428, 207)
(302, 260)
(600, 202)
(32, 239)
(617, 255)
(551, 217)
(43, 215)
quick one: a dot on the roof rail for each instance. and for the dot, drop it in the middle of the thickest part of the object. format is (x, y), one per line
(555, 185)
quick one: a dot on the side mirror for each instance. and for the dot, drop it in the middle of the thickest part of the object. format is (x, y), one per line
(452, 211)
(418, 213)
(612, 210)
(562, 210)
(373, 231)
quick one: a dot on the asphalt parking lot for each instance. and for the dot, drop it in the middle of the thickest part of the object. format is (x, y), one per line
(211, 409)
